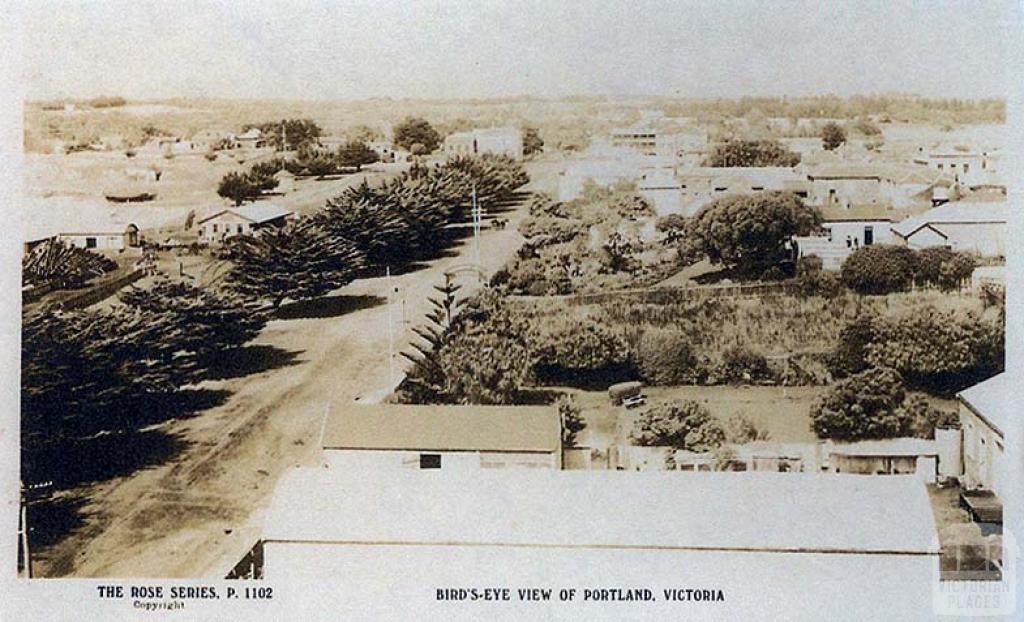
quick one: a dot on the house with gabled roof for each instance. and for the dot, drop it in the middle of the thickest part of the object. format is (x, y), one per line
(978, 227)
(245, 220)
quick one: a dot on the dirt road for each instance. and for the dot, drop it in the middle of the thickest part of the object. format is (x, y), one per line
(198, 513)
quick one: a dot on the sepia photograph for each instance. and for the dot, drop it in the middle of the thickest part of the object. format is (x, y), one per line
(512, 309)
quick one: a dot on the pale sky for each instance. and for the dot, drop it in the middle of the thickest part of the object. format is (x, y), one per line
(489, 48)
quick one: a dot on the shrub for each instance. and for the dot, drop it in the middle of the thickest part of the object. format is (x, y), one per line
(832, 136)
(926, 418)
(580, 350)
(867, 405)
(850, 355)
(751, 153)
(879, 269)
(572, 420)
(812, 280)
(742, 364)
(682, 424)
(943, 267)
(939, 351)
(739, 429)
(665, 357)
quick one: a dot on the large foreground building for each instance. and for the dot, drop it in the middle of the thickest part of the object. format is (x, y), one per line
(759, 538)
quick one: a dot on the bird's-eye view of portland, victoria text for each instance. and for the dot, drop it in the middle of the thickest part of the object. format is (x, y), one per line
(341, 289)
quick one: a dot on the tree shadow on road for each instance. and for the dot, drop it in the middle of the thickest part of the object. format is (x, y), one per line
(328, 306)
(251, 359)
(50, 518)
(98, 459)
(59, 509)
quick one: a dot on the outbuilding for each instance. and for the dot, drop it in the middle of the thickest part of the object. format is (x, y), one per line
(446, 437)
(978, 227)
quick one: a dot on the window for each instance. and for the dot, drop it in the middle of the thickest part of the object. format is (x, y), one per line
(239, 229)
(941, 166)
(90, 242)
(869, 236)
(967, 167)
(430, 461)
(215, 227)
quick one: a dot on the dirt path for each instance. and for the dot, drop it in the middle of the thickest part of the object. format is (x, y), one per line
(198, 513)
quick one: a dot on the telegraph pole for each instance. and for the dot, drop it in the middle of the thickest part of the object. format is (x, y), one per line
(391, 331)
(23, 533)
(476, 230)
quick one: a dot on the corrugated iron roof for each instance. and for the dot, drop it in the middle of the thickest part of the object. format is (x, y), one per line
(771, 512)
(444, 427)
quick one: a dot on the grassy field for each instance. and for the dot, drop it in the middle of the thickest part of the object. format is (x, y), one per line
(771, 324)
(781, 411)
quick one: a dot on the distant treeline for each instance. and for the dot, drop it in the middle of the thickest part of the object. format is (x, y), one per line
(894, 107)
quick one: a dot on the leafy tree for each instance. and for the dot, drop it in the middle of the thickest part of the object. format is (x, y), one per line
(867, 405)
(941, 351)
(752, 153)
(482, 358)
(832, 135)
(749, 232)
(289, 134)
(943, 267)
(666, 357)
(356, 154)
(682, 424)
(532, 142)
(572, 420)
(851, 352)
(212, 321)
(238, 187)
(363, 133)
(295, 262)
(414, 130)
(577, 350)
(879, 269)
(319, 163)
(440, 316)
(812, 280)
(742, 364)
(62, 265)
(85, 372)
(673, 226)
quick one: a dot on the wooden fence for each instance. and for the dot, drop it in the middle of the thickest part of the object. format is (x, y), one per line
(665, 295)
(96, 293)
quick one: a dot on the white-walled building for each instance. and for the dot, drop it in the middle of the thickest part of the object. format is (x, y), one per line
(497, 140)
(446, 437)
(965, 226)
(82, 224)
(245, 220)
(662, 189)
(965, 166)
(986, 414)
(845, 230)
(377, 534)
